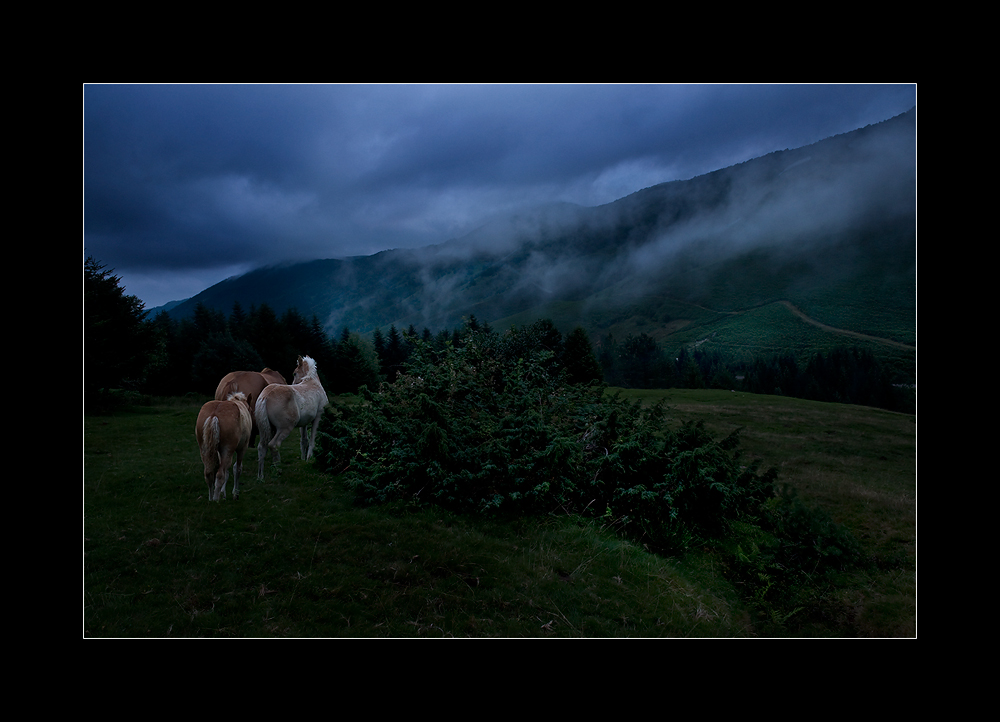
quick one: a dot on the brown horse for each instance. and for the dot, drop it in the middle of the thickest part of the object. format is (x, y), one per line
(250, 383)
(222, 431)
(281, 408)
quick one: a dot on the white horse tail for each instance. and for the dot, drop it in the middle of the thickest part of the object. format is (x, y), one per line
(263, 422)
(210, 443)
(264, 429)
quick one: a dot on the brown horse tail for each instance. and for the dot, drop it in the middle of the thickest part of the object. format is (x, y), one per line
(210, 443)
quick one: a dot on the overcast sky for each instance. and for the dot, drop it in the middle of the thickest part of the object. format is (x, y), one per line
(186, 185)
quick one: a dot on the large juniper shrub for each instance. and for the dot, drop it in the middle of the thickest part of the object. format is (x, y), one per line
(492, 427)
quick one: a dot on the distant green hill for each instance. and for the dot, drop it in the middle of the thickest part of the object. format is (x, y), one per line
(829, 229)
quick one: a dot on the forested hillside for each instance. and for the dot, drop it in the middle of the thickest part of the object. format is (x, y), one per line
(793, 273)
(829, 227)
(191, 355)
(787, 260)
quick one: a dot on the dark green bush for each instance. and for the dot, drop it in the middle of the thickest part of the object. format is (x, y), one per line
(807, 539)
(791, 553)
(492, 427)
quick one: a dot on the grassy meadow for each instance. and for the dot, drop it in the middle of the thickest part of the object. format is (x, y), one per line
(294, 557)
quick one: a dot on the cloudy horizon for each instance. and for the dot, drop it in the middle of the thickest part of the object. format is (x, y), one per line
(186, 185)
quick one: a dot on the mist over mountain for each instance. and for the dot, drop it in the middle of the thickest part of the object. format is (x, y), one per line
(830, 227)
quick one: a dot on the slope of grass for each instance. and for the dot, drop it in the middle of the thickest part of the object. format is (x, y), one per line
(775, 329)
(855, 462)
(294, 557)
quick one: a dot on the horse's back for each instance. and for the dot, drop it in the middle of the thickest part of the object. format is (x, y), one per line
(272, 376)
(319, 399)
(250, 383)
(264, 408)
(228, 381)
(294, 404)
(272, 390)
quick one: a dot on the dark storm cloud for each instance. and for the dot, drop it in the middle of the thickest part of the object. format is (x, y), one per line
(187, 184)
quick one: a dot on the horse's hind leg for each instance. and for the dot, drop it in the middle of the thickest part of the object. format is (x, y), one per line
(307, 450)
(237, 470)
(261, 458)
(221, 477)
(212, 470)
(275, 445)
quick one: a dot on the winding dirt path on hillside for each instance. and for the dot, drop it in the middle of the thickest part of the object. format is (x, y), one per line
(798, 312)
(845, 332)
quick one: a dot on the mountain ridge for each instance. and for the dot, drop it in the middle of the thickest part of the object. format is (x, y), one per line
(829, 227)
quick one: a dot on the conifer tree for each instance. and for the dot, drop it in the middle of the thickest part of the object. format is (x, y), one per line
(351, 368)
(266, 336)
(238, 321)
(296, 334)
(378, 340)
(579, 360)
(394, 355)
(219, 354)
(610, 361)
(207, 321)
(318, 345)
(118, 341)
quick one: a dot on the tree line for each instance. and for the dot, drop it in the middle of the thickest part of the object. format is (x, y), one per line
(197, 352)
(164, 356)
(847, 375)
(126, 352)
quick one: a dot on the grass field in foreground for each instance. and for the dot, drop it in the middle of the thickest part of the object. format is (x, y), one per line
(295, 558)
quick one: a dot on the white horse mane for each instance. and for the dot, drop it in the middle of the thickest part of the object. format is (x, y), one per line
(311, 366)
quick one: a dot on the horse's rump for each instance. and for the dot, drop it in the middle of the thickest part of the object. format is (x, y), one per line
(223, 432)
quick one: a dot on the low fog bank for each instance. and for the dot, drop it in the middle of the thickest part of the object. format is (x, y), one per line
(818, 206)
(791, 203)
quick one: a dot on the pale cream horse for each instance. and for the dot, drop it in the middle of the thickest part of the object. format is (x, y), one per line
(223, 431)
(281, 408)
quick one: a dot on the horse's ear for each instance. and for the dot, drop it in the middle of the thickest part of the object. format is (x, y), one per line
(299, 362)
